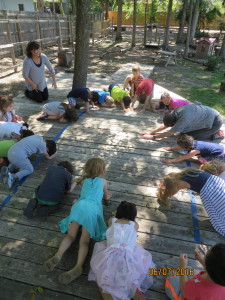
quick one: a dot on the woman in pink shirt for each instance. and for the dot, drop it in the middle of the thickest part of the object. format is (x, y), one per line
(206, 285)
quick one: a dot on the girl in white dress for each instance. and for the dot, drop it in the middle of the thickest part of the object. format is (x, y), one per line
(119, 265)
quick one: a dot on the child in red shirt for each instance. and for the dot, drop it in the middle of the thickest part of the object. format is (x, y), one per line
(145, 87)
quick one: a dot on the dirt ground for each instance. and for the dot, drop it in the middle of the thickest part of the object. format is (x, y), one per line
(106, 58)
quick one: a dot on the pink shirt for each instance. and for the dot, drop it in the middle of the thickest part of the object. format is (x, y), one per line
(178, 102)
(198, 288)
(137, 81)
(145, 86)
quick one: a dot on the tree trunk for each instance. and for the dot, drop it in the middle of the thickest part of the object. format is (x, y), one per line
(182, 23)
(134, 23)
(40, 5)
(194, 20)
(145, 28)
(53, 6)
(82, 43)
(106, 9)
(119, 20)
(73, 4)
(222, 51)
(169, 11)
(189, 30)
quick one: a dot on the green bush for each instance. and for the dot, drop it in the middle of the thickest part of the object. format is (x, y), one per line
(213, 61)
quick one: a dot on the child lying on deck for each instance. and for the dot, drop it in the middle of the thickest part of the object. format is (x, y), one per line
(62, 112)
(204, 151)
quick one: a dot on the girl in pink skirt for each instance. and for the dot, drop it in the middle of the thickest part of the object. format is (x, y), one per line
(119, 265)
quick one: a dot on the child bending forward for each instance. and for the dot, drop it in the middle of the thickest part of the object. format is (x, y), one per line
(204, 151)
(169, 103)
(119, 265)
(210, 188)
(50, 192)
(86, 212)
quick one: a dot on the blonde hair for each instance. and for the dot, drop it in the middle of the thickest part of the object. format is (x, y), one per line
(94, 167)
(165, 96)
(170, 182)
(214, 167)
(109, 100)
(5, 102)
(136, 68)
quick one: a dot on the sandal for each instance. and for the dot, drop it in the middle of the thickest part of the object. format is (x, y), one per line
(71, 275)
(50, 264)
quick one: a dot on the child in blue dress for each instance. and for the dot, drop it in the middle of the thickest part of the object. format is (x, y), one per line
(86, 212)
(204, 151)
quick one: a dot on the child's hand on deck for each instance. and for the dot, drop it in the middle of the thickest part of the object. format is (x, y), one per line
(168, 161)
(167, 148)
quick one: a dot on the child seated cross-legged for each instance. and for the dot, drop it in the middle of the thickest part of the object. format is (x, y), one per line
(119, 265)
(62, 112)
(120, 96)
(49, 193)
(206, 285)
(87, 212)
(18, 156)
(214, 167)
(204, 151)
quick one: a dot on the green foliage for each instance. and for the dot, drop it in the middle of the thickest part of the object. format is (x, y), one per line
(213, 61)
(221, 26)
(208, 11)
(200, 34)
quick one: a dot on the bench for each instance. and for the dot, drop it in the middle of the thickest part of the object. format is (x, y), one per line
(171, 56)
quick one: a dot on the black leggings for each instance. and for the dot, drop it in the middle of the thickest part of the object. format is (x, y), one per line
(37, 96)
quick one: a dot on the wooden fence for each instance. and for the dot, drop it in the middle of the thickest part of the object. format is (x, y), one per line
(18, 28)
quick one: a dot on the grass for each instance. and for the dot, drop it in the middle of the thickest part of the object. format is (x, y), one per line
(194, 83)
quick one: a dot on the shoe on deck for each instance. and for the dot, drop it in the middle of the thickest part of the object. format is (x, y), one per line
(219, 135)
(10, 180)
(42, 118)
(4, 174)
(29, 210)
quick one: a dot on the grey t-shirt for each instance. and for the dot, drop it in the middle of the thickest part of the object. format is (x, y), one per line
(33, 144)
(35, 73)
(56, 182)
(193, 117)
(54, 106)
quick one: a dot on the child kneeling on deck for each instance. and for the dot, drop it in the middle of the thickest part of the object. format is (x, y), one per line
(119, 265)
(205, 151)
(50, 192)
(120, 96)
(62, 112)
(18, 156)
(206, 285)
(87, 212)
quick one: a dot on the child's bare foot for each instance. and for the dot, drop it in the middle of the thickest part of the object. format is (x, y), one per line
(50, 264)
(105, 296)
(139, 295)
(71, 275)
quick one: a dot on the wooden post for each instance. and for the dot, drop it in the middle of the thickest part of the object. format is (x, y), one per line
(145, 27)
(156, 32)
(60, 36)
(69, 29)
(10, 39)
(20, 36)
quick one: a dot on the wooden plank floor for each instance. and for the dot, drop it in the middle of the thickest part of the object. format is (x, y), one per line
(134, 170)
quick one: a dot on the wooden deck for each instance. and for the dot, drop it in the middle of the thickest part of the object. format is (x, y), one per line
(134, 169)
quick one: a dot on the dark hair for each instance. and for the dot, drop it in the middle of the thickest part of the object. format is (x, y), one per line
(169, 120)
(70, 113)
(162, 105)
(26, 124)
(95, 97)
(215, 263)
(32, 45)
(67, 165)
(185, 141)
(126, 210)
(25, 133)
(127, 101)
(51, 145)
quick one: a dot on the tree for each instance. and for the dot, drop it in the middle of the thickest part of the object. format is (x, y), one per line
(40, 5)
(119, 20)
(194, 19)
(134, 24)
(186, 50)
(73, 5)
(169, 11)
(222, 51)
(82, 43)
(182, 20)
